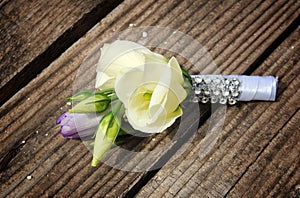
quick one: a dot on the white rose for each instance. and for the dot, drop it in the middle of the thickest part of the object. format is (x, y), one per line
(120, 56)
(152, 94)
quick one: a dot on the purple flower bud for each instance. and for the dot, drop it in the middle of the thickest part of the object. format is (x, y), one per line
(77, 125)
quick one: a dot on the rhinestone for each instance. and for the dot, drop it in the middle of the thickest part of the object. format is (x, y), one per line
(226, 81)
(235, 81)
(195, 99)
(216, 81)
(207, 92)
(235, 93)
(197, 91)
(203, 85)
(207, 80)
(198, 80)
(225, 93)
(223, 101)
(211, 86)
(231, 101)
(213, 100)
(204, 100)
(221, 85)
(231, 87)
(216, 92)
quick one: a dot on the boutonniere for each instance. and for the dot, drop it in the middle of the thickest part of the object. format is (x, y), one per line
(146, 90)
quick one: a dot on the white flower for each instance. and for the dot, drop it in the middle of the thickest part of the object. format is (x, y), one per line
(120, 56)
(151, 94)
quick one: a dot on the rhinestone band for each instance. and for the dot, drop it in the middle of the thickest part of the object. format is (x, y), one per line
(214, 89)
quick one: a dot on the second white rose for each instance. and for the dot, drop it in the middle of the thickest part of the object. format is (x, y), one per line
(120, 56)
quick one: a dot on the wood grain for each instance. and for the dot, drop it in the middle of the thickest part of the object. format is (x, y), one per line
(236, 34)
(246, 152)
(35, 33)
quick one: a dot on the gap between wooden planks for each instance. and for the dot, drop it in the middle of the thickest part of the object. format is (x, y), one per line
(86, 180)
(34, 34)
(256, 155)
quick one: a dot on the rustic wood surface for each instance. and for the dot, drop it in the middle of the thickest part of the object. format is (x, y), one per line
(34, 33)
(255, 153)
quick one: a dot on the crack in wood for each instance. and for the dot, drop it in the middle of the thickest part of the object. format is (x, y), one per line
(66, 40)
(275, 44)
(285, 34)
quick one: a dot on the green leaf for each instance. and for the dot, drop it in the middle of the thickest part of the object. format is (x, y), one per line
(105, 91)
(187, 75)
(93, 104)
(80, 96)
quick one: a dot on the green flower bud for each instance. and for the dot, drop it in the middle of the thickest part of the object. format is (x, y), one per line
(93, 104)
(106, 134)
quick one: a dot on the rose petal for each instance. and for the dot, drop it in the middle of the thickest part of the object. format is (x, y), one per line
(110, 52)
(127, 84)
(116, 59)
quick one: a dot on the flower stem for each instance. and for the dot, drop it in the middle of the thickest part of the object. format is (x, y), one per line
(117, 107)
(113, 97)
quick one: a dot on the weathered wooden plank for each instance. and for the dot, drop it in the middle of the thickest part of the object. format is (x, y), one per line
(249, 152)
(42, 115)
(45, 155)
(241, 45)
(34, 33)
(276, 163)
